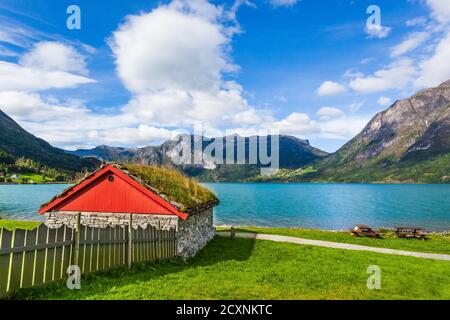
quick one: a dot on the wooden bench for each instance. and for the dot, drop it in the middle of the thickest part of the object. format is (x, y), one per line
(411, 232)
(365, 230)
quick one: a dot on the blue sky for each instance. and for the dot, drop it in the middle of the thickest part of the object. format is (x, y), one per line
(140, 72)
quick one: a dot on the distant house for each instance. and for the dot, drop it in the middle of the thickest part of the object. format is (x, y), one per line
(2, 174)
(15, 176)
(160, 197)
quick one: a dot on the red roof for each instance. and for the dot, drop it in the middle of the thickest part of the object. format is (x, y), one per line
(113, 191)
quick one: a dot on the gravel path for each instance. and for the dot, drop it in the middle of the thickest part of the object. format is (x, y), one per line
(339, 245)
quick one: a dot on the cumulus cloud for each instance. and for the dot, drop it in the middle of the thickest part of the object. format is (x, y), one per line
(377, 31)
(342, 128)
(69, 123)
(174, 59)
(396, 75)
(53, 56)
(296, 123)
(168, 48)
(440, 10)
(17, 77)
(48, 65)
(330, 88)
(329, 113)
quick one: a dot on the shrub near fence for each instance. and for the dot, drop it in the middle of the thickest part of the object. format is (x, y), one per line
(42, 255)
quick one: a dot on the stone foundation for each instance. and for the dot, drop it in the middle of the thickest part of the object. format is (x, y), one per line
(192, 234)
(103, 220)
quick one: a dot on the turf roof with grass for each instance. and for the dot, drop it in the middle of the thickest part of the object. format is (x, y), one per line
(182, 192)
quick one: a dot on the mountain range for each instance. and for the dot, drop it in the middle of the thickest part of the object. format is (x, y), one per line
(16, 143)
(293, 153)
(408, 142)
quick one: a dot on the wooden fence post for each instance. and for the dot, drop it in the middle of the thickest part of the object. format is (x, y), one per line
(76, 255)
(232, 232)
(130, 241)
(158, 241)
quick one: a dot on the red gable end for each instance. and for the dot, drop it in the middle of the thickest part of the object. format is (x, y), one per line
(111, 190)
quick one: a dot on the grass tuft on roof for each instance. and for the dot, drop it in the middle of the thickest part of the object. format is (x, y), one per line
(174, 185)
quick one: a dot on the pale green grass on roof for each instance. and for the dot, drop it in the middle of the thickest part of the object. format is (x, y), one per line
(176, 186)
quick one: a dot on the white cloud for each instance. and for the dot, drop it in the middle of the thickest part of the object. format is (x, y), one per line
(5, 52)
(440, 10)
(384, 101)
(396, 75)
(330, 88)
(168, 48)
(377, 31)
(19, 78)
(25, 105)
(329, 113)
(342, 128)
(418, 21)
(296, 123)
(70, 123)
(236, 5)
(173, 59)
(428, 68)
(283, 3)
(17, 34)
(252, 117)
(436, 68)
(54, 56)
(355, 106)
(412, 42)
(48, 65)
(367, 60)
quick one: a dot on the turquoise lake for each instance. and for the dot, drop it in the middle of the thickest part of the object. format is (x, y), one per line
(324, 206)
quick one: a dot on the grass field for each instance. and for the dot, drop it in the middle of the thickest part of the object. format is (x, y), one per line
(36, 178)
(13, 224)
(438, 242)
(249, 269)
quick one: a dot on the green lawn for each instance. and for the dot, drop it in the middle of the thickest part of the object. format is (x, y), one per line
(438, 243)
(249, 269)
(36, 178)
(12, 224)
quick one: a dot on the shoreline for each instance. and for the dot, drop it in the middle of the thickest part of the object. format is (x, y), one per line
(32, 184)
(4, 217)
(269, 182)
(443, 232)
(327, 182)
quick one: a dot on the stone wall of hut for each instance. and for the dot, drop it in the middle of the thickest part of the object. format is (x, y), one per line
(195, 232)
(192, 234)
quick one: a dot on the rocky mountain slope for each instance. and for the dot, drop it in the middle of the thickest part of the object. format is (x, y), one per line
(408, 141)
(16, 143)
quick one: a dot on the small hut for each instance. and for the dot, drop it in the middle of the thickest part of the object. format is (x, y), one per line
(160, 197)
